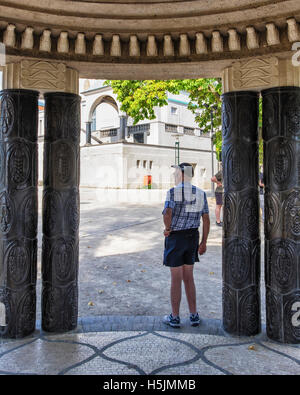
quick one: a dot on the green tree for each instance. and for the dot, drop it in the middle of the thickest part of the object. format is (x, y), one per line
(139, 98)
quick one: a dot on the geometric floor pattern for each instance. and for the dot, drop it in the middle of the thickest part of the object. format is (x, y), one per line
(96, 349)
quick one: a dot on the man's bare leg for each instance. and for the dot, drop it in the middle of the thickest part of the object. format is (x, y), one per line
(218, 213)
(176, 280)
(190, 289)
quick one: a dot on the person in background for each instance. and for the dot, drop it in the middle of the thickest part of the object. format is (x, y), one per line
(184, 207)
(218, 179)
(261, 193)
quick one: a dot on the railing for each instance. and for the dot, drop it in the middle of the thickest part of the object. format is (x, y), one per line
(189, 131)
(108, 132)
(138, 128)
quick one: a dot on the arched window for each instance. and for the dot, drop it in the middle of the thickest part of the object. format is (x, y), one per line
(93, 125)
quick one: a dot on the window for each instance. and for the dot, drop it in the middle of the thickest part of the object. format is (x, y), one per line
(144, 164)
(173, 110)
(189, 131)
(170, 128)
(151, 164)
(138, 164)
(93, 125)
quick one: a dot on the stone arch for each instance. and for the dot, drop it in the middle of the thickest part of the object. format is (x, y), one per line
(102, 99)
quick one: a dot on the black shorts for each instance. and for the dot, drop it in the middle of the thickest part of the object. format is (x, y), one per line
(219, 198)
(181, 248)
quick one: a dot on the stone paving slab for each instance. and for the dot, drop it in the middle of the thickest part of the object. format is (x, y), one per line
(121, 261)
(154, 350)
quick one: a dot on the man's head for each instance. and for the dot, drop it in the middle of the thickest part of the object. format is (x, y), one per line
(184, 172)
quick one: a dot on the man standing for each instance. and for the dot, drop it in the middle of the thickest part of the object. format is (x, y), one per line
(218, 179)
(185, 205)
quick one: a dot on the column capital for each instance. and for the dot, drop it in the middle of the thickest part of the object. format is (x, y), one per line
(41, 75)
(261, 73)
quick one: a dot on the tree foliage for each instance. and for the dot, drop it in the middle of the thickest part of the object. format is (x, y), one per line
(139, 99)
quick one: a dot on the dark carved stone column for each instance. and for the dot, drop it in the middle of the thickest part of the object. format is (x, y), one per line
(18, 210)
(60, 212)
(281, 133)
(241, 238)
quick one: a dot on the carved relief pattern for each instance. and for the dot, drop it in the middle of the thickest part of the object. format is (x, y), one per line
(255, 72)
(282, 264)
(72, 216)
(238, 253)
(43, 75)
(17, 262)
(19, 164)
(273, 315)
(229, 213)
(281, 164)
(227, 118)
(292, 216)
(249, 212)
(6, 213)
(51, 212)
(250, 312)
(282, 217)
(63, 162)
(229, 310)
(62, 258)
(241, 271)
(272, 212)
(18, 208)
(7, 114)
(30, 217)
(293, 121)
(61, 213)
(291, 116)
(26, 313)
(270, 119)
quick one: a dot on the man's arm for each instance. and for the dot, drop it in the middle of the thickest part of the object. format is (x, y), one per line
(214, 179)
(206, 227)
(167, 221)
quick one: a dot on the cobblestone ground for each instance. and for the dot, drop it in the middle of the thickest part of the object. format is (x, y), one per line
(121, 332)
(121, 270)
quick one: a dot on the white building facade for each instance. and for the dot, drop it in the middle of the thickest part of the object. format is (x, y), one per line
(145, 152)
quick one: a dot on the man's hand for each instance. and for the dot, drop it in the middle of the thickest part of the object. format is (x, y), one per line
(167, 221)
(167, 232)
(202, 248)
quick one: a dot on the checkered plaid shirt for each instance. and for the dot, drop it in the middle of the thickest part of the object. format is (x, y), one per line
(188, 204)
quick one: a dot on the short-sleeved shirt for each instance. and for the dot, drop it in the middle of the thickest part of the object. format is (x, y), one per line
(219, 177)
(188, 204)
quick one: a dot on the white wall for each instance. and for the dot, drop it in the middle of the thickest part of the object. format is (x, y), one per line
(116, 166)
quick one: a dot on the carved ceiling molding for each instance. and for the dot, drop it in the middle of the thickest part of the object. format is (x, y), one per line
(153, 48)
